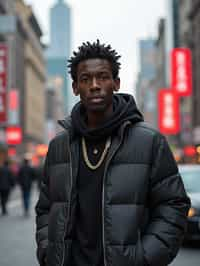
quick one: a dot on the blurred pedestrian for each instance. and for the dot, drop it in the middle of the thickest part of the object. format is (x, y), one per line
(6, 183)
(111, 194)
(26, 177)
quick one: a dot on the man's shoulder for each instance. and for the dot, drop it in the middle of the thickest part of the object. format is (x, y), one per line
(60, 137)
(144, 128)
(63, 133)
(58, 148)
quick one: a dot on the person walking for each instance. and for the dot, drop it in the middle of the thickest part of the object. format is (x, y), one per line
(26, 176)
(6, 184)
(111, 193)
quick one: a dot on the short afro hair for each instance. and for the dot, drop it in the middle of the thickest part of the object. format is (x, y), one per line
(94, 50)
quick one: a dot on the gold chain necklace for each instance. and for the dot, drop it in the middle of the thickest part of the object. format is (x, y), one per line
(85, 155)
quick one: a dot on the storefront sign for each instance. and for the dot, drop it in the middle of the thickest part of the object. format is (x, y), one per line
(181, 71)
(169, 116)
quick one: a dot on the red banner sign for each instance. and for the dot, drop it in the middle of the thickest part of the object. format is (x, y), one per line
(13, 135)
(169, 116)
(181, 71)
(3, 82)
(13, 104)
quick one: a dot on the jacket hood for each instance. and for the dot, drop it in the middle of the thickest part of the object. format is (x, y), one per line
(124, 109)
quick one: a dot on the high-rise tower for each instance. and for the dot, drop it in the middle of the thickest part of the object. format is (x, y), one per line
(60, 30)
(58, 51)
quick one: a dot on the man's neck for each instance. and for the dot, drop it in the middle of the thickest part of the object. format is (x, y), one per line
(96, 119)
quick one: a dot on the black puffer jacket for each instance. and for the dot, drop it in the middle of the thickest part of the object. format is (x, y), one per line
(144, 202)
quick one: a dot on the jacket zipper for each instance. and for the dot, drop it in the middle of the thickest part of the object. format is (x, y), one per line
(103, 200)
(69, 209)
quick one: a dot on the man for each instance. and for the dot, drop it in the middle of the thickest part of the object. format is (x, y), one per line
(111, 193)
(26, 176)
(6, 184)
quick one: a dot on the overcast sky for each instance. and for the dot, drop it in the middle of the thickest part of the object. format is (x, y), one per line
(118, 22)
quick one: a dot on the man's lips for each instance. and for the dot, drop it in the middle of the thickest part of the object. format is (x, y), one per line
(96, 99)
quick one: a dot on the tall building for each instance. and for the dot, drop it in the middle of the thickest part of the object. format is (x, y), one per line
(60, 30)
(35, 76)
(58, 51)
(161, 56)
(145, 91)
(172, 33)
(54, 107)
(180, 33)
(20, 33)
(194, 16)
(159, 80)
(184, 32)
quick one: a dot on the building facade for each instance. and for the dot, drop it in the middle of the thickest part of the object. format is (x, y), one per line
(35, 76)
(184, 35)
(145, 90)
(54, 106)
(194, 40)
(21, 33)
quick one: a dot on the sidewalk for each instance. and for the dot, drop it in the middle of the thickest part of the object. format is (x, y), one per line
(17, 246)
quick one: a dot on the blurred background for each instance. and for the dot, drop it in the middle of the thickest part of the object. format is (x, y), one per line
(159, 43)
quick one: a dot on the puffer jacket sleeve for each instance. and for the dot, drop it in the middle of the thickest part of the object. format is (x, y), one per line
(42, 210)
(169, 206)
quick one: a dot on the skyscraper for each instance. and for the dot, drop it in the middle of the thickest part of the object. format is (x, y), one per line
(145, 91)
(60, 30)
(58, 51)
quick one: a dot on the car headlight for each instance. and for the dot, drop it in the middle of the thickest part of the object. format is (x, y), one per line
(192, 212)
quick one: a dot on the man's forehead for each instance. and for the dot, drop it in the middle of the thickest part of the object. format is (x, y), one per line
(94, 64)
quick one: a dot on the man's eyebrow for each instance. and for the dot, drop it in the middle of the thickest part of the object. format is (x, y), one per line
(100, 71)
(84, 74)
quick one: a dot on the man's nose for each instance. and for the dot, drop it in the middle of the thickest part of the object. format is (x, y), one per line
(94, 84)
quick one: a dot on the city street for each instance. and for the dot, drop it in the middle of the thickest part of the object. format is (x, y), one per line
(18, 245)
(189, 255)
(99, 106)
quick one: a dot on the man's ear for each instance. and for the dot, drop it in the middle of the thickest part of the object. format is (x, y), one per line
(75, 88)
(116, 84)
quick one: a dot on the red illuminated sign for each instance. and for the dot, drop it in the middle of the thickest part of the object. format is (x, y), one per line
(181, 71)
(189, 150)
(13, 100)
(12, 152)
(13, 104)
(3, 82)
(13, 135)
(169, 117)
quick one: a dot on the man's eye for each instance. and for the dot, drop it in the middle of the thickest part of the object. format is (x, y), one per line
(104, 77)
(84, 79)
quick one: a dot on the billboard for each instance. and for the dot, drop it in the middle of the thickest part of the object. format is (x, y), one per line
(168, 115)
(181, 71)
(3, 82)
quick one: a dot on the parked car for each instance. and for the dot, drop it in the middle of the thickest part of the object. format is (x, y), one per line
(191, 178)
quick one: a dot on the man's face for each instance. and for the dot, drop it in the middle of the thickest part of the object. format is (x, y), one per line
(95, 85)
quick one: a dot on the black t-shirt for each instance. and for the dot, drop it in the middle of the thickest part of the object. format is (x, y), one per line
(87, 247)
